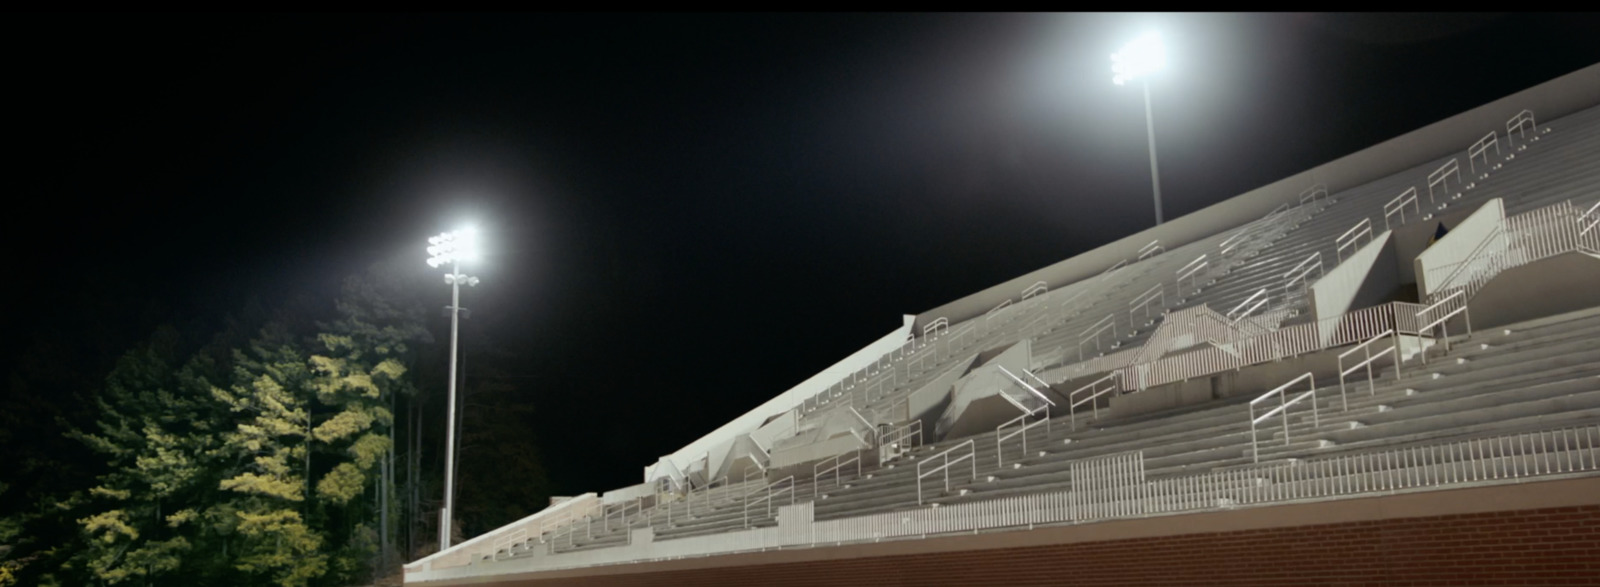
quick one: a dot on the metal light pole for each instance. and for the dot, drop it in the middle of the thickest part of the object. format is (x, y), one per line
(452, 248)
(1138, 59)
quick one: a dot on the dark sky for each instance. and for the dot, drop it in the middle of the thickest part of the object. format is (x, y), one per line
(686, 214)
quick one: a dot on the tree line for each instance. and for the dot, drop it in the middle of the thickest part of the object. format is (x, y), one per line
(294, 445)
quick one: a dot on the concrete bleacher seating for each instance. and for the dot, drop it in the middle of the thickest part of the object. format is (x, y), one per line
(1531, 375)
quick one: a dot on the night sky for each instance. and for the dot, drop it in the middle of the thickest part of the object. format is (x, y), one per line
(686, 214)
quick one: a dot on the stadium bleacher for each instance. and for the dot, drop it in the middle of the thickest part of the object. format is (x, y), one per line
(1430, 395)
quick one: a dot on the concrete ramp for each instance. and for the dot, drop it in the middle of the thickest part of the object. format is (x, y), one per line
(1559, 284)
(986, 397)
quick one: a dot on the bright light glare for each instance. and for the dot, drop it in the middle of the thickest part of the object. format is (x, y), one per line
(1142, 57)
(454, 246)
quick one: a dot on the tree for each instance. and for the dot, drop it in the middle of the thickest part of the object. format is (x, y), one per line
(157, 432)
(360, 371)
(270, 446)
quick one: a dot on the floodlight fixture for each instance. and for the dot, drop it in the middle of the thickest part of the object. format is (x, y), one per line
(1139, 58)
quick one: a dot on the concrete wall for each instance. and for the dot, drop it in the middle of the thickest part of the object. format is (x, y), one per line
(1438, 262)
(1560, 284)
(1553, 99)
(1365, 279)
(1412, 239)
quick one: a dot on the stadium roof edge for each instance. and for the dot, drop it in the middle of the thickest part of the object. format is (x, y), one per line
(1552, 99)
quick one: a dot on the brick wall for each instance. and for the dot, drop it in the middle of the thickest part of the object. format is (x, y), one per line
(1551, 546)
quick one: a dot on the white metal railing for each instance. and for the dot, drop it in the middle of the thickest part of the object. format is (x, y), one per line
(997, 309)
(1441, 176)
(946, 461)
(1114, 268)
(1037, 289)
(892, 442)
(1113, 487)
(1482, 148)
(1284, 402)
(1438, 315)
(1094, 331)
(940, 324)
(534, 528)
(1398, 206)
(1352, 238)
(1090, 393)
(1475, 265)
(771, 491)
(1588, 220)
(1033, 391)
(721, 485)
(1368, 357)
(1311, 194)
(1248, 306)
(1521, 123)
(1191, 271)
(1141, 302)
(1243, 343)
(1154, 248)
(1038, 415)
(834, 465)
(1301, 274)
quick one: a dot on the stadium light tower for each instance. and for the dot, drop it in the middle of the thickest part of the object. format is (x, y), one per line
(1138, 60)
(452, 248)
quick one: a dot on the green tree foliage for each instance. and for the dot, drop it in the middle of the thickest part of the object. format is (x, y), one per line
(264, 457)
(157, 431)
(270, 448)
(360, 371)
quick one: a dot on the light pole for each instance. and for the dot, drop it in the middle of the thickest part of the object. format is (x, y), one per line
(452, 248)
(1137, 60)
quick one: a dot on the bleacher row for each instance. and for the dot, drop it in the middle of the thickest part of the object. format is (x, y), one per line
(1530, 376)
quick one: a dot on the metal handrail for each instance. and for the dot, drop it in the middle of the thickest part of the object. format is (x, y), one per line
(1234, 315)
(1482, 148)
(1310, 194)
(1300, 273)
(1150, 249)
(1142, 301)
(1109, 322)
(1497, 237)
(1041, 382)
(999, 438)
(1366, 347)
(1283, 408)
(837, 469)
(705, 491)
(946, 463)
(1037, 289)
(1113, 269)
(1398, 206)
(1520, 123)
(998, 308)
(863, 420)
(770, 494)
(1592, 216)
(1440, 175)
(1094, 393)
(893, 437)
(1190, 271)
(1036, 393)
(1442, 320)
(938, 324)
(1349, 240)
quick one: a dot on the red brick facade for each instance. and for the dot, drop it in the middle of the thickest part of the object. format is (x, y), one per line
(1553, 546)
